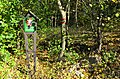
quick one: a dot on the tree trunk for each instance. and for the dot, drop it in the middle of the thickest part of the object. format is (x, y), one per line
(99, 33)
(76, 20)
(67, 21)
(53, 19)
(99, 39)
(63, 29)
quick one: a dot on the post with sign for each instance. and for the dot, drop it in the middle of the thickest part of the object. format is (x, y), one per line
(30, 30)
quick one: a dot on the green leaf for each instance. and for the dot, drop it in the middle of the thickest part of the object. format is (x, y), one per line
(117, 14)
(90, 5)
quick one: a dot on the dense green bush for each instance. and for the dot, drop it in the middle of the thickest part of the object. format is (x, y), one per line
(9, 19)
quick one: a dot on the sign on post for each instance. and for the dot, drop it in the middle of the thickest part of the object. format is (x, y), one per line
(30, 28)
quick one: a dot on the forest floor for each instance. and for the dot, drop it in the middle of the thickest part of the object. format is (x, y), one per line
(79, 63)
(88, 65)
(49, 68)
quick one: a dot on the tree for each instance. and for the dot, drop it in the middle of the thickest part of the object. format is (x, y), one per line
(76, 13)
(65, 19)
(63, 12)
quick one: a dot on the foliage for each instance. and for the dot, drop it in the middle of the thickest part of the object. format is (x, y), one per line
(109, 57)
(107, 68)
(72, 57)
(9, 26)
(6, 63)
(9, 19)
(13, 60)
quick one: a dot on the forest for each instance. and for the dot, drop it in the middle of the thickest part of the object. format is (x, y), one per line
(75, 39)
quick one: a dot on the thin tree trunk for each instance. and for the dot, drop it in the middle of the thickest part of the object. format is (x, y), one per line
(53, 23)
(99, 33)
(67, 21)
(55, 20)
(63, 29)
(76, 20)
(99, 39)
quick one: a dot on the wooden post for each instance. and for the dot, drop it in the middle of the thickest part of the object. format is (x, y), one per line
(29, 52)
(30, 27)
(34, 52)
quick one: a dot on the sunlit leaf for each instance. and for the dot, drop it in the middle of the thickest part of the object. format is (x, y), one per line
(117, 14)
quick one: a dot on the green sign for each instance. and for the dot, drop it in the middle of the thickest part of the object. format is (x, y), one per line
(29, 24)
